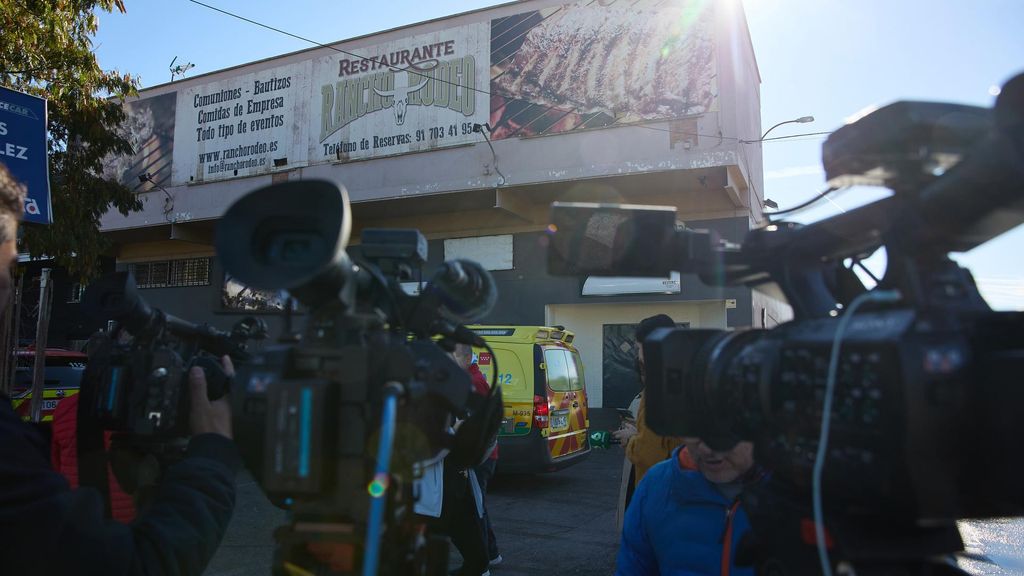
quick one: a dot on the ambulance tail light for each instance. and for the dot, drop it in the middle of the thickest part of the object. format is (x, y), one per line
(540, 412)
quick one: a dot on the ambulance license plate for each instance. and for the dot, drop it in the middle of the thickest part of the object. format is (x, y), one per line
(560, 420)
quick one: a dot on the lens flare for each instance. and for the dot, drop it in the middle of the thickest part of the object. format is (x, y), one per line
(378, 486)
(692, 11)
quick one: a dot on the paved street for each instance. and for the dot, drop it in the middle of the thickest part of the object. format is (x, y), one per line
(559, 523)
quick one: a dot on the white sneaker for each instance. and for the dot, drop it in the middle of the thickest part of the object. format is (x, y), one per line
(495, 561)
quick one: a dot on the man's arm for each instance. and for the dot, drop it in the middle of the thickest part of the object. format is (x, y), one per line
(177, 535)
(636, 555)
(46, 528)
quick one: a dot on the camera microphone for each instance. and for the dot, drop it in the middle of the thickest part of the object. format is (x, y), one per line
(465, 289)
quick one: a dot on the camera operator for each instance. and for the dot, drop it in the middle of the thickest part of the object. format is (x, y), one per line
(683, 520)
(47, 528)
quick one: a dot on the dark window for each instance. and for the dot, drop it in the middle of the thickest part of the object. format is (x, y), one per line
(172, 273)
(77, 289)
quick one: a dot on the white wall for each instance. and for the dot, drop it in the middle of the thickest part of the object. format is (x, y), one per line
(587, 321)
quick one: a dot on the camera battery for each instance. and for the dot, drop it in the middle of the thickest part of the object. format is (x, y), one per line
(296, 438)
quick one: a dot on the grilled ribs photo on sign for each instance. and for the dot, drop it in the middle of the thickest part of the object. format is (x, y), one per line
(632, 62)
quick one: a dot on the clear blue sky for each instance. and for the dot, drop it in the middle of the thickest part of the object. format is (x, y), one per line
(826, 58)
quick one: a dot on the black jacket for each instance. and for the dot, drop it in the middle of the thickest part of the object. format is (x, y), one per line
(47, 528)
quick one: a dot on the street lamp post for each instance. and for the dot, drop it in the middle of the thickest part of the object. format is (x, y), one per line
(768, 202)
(800, 120)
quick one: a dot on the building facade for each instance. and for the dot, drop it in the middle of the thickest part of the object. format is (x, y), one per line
(467, 128)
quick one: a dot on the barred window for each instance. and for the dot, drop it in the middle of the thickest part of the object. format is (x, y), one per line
(172, 273)
(77, 290)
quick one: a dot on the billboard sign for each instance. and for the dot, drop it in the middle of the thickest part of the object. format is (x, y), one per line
(23, 150)
(591, 65)
(414, 94)
(242, 126)
(553, 70)
(149, 128)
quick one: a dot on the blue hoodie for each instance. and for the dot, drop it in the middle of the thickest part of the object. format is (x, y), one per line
(677, 523)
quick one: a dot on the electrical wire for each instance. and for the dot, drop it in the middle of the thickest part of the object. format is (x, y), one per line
(168, 202)
(774, 138)
(826, 418)
(485, 129)
(804, 205)
(860, 264)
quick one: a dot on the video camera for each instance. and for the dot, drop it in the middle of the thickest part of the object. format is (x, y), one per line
(136, 381)
(884, 415)
(334, 424)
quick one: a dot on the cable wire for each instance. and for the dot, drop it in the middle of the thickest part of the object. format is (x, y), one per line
(774, 138)
(826, 418)
(806, 204)
(484, 130)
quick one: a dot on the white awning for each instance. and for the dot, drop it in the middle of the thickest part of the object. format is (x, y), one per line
(616, 285)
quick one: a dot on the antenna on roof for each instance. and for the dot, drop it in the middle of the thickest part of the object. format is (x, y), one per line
(180, 69)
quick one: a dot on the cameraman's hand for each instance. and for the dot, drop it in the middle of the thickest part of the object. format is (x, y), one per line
(625, 432)
(209, 417)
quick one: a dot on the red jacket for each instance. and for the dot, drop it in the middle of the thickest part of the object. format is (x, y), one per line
(481, 387)
(64, 457)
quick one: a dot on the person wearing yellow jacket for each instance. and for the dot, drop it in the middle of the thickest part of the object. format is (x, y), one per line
(644, 448)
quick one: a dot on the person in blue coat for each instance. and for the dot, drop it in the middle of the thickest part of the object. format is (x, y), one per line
(685, 518)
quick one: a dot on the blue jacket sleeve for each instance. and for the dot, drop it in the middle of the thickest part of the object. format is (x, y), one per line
(46, 528)
(636, 555)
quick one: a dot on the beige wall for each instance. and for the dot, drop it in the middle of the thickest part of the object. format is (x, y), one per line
(587, 321)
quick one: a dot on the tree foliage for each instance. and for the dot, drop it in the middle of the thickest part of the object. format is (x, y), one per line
(46, 50)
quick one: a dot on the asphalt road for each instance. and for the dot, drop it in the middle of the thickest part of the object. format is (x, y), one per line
(557, 523)
(561, 523)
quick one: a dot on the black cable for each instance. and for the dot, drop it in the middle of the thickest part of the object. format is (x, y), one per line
(799, 207)
(169, 203)
(477, 90)
(773, 138)
(484, 130)
(861, 265)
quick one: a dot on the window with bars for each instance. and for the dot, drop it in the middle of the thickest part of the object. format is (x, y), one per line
(172, 273)
(77, 290)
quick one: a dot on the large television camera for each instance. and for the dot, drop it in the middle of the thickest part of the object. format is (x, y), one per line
(336, 423)
(136, 382)
(883, 414)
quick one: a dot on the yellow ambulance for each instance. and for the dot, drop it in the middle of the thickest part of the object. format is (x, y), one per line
(545, 422)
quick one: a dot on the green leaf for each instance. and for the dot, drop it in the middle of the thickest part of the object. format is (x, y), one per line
(46, 50)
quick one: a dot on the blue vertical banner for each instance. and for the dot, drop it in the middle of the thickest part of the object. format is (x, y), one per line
(23, 150)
